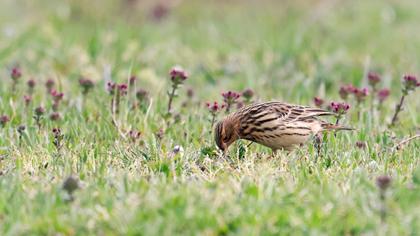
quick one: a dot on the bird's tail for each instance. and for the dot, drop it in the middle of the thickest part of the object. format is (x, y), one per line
(329, 126)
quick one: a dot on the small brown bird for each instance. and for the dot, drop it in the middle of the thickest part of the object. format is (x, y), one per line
(276, 125)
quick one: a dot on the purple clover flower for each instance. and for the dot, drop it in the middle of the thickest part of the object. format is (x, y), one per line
(383, 94)
(339, 107)
(16, 73)
(318, 101)
(373, 79)
(4, 119)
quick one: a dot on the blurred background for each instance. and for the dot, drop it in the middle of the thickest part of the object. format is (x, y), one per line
(312, 45)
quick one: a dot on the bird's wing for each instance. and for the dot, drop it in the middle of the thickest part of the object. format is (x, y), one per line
(259, 118)
(283, 111)
(262, 111)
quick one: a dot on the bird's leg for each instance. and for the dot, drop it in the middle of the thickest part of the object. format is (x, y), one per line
(318, 145)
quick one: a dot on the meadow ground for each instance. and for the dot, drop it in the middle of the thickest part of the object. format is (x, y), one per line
(139, 171)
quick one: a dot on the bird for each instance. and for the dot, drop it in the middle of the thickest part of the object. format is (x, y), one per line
(277, 125)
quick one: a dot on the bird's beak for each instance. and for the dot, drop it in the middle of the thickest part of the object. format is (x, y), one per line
(225, 149)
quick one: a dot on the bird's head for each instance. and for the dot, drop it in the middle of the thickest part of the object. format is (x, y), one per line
(225, 134)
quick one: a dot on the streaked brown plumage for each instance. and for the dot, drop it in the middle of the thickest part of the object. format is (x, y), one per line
(276, 125)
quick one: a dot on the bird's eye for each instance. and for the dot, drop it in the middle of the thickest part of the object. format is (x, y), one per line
(225, 139)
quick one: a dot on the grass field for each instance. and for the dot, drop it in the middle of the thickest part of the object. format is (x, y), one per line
(140, 171)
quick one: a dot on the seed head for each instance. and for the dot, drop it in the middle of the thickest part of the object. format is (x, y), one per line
(142, 94)
(318, 101)
(132, 80)
(248, 94)
(340, 107)
(16, 73)
(49, 84)
(383, 182)
(383, 94)
(39, 111)
(71, 184)
(86, 85)
(21, 129)
(55, 116)
(31, 83)
(361, 144)
(373, 79)
(27, 99)
(160, 134)
(4, 119)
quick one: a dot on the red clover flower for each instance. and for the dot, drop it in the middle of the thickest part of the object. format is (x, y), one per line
(4, 119)
(134, 135)
(55, 116)
(383, 94)
(122, 89)
(373, 79)
(16, 73)
(31, 85)
(361, 144)
(57, 97)
(318, 101)
(27, 99)
(410, 83)
(132, 80)
(39, 113)
(119, 90)
(177, 76)
(360, 94)
(86, 85)
(214, 108)
(49, 85)
(340, 109)
(247, 94)
(230, 98)
(345, 90)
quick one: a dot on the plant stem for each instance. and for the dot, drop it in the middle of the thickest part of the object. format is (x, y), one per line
(338, 119)
(38, 121)
(112, 106)
(372, 100)
(171, 97)
(397, 110)
(213, 119)
(383, 211)
(117, 103)
(227, 107)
